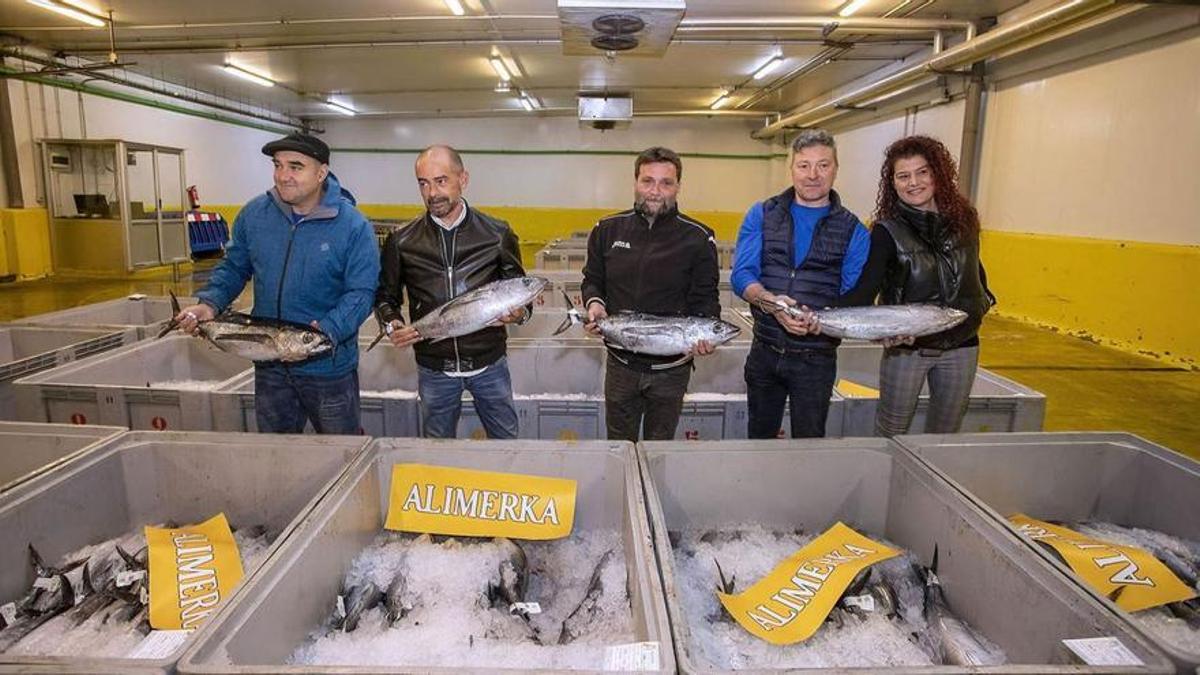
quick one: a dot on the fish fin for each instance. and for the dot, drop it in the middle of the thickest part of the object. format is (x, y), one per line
(377, 340)
(678, 362)
(933, 566)
(173, 323)
(726, 586)
(35, 559)
(243, 337)
(1116, 593)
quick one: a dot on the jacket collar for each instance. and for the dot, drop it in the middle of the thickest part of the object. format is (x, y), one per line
(332, 194)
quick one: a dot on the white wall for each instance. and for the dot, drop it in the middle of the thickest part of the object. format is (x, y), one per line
(223, 159)
(860, 150)
(557, 180)
(1108, 149)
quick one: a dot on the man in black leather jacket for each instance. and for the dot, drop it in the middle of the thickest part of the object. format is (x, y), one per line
(450, 250)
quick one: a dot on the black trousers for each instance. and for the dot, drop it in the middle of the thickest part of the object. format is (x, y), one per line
(649, 401)
(804, 377)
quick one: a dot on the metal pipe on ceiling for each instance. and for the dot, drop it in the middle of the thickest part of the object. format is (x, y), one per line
(963, 54)
(267, 23)
(868, 25)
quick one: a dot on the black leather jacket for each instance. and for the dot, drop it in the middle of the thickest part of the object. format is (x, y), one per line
(933, 265)
(482, 249)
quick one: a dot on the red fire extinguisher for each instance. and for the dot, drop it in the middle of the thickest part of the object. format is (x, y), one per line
(193, 197)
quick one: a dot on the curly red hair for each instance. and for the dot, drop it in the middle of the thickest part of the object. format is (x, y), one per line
(960, 216)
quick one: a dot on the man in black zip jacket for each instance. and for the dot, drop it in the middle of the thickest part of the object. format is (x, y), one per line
(656, 260)
(450, 250)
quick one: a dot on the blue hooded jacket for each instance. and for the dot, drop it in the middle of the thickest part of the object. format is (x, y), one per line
(324, 268)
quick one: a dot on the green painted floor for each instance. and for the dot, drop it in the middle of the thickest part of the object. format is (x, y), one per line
(1088, 387)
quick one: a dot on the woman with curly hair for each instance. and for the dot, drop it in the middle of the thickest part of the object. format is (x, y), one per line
(924, 248)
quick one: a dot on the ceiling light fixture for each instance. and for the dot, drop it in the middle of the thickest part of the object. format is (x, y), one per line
(502, 87)
(720, 102)
(455, 7)
(766, 68)
(500, 68)
(80, 14)
(338, 107)
(238, 71)
(526, 104)
(852, 7)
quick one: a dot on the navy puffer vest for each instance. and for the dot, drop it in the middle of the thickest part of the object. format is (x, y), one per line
(816, 282)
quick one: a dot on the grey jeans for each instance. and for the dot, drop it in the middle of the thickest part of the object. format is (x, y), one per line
(902, 375)
(651, 402)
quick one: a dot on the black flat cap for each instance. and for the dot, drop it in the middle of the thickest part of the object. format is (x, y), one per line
(301, 143)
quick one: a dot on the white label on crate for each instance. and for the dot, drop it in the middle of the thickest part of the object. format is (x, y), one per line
(8, 612)
(48, 584)
(632, 656)
(1103, 651)
(527, 607)
(864, 602)
(159, 644)
(341, 607)
(128, 578)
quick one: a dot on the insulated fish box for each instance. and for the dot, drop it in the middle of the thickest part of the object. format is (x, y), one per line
(157, 385)
(281, 607)
(29, 450)
(387, 383)
(991, 579)
(25, 350)
(1100, 476)
(558, 390)
(144, 314)
(143, 478)
(715, 406)
(996, 403)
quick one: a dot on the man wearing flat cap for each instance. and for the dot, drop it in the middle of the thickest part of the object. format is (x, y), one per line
(314, 260)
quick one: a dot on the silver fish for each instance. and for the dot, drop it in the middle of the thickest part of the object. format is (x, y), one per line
(358, 599)
(474, 310)
(589, 607)
(514, 576)
(395, 606)
(882, 321)
(259, 338)
(955, 642)
(654, 334)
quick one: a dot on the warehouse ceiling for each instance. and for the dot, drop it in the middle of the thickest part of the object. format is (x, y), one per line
(416, 58)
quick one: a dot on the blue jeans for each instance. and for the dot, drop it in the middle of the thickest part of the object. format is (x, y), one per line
(284, 401)
(806, 376)
(441, 401)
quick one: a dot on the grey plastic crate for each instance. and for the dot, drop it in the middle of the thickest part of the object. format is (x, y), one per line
(25, 350)
(282, 605)
(143, 478)
(387, 381)
(1114, 477)
(28, 450)
(125, 387)
(996, 403)
(992, 580)
(143, 313)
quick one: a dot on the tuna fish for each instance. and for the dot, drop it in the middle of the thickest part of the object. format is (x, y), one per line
(883, 321)
(474, 310)
(589, 607)
(955, 642)
(259, 338)
(654, 334)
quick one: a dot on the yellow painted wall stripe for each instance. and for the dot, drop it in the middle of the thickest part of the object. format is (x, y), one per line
(1135, 296)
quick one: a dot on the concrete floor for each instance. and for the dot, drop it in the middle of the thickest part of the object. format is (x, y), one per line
(1088, 387)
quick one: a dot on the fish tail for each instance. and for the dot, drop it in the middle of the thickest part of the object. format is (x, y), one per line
(174, 322)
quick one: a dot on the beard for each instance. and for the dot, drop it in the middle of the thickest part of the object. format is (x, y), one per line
(653, 207)
(440, 206)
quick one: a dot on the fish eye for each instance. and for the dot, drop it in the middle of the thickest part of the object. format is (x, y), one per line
(307, 338)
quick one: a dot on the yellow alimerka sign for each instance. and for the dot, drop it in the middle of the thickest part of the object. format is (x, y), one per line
(789, 604)
(192, 570)
(445, 500)
(1134, 578)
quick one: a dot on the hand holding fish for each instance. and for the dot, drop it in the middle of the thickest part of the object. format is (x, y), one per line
(797, 321)
(889, 342)
(513, 315)
(595, 312)
(189, 318)
(402, 335)
(703, 348)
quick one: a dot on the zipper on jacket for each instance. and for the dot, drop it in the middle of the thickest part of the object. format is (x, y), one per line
(283, 273)
(637, 287)
(448, 258)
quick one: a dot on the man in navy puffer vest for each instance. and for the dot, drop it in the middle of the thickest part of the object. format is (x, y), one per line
(801, 247)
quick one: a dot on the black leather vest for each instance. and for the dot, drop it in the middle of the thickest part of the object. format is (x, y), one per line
(816, 282)
(933, 265)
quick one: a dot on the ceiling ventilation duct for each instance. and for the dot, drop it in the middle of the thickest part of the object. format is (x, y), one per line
(634, 27)
(605, 111)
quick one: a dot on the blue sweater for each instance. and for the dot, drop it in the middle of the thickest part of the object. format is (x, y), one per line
(747, 263)
(324, 268)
